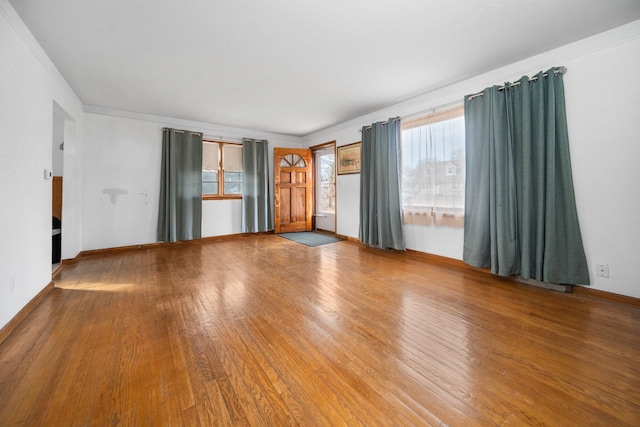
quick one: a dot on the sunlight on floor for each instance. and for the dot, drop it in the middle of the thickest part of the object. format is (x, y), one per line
(95, 286)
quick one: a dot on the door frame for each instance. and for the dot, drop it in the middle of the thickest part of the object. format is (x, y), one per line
(314, 188)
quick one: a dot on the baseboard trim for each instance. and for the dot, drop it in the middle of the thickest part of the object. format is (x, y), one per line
(625, 299)
(442, 260)
(105, 251)
(461, 265)
(230, 237)
(22, 314)
(209, 239)
(348, 238)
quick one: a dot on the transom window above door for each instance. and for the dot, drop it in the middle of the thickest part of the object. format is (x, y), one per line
(292, 161)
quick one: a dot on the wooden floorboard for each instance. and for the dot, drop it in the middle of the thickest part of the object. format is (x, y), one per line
(263, 331)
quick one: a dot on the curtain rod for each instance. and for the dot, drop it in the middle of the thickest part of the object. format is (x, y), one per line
(217, 138)
(181, 131)
(222, 139)
(558, 70)
(433, 110)
(386, 122)
(230, 139)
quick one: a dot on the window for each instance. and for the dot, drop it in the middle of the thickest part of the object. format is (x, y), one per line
(433, 168)
(451, 169)
(327, 178)
(221, 170)
(292, 161)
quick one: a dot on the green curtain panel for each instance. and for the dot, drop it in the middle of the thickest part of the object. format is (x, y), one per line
(180, 214)
(380, 206)
(257, 214)
(520, 211)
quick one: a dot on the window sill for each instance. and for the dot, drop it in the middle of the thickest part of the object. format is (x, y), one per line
(227, 197)
(437, 217)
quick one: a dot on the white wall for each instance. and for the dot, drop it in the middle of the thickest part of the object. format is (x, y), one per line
(31, 88)
(603, 109)
(119, 182)
(122, 152)
(602, 93)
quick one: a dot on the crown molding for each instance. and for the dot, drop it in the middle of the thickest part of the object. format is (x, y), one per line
(14, 20)
(212, 130)
(455, 91)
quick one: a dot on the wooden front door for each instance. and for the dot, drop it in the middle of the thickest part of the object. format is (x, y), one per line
(293, 189)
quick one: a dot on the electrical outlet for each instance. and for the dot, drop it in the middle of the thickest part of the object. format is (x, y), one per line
(602, 270)
(12, 284)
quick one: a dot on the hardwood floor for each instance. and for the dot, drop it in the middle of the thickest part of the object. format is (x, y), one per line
(263, 331)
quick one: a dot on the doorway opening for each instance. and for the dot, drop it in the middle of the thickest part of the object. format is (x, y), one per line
(324, 163)
(57, 163)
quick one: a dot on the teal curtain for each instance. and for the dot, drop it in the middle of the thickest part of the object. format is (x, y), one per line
(380, 206)
(180, 213)
(520, 211)
(257, 214)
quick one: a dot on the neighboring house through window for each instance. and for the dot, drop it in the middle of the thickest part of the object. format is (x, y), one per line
(451, 169)
(433, 166)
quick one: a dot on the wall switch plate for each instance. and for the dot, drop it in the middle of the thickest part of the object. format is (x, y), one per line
(602, 270)
(48, 174)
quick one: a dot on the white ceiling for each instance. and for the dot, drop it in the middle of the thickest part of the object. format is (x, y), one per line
(294, 66)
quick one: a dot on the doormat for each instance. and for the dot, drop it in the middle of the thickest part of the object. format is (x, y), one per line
(310, 238)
